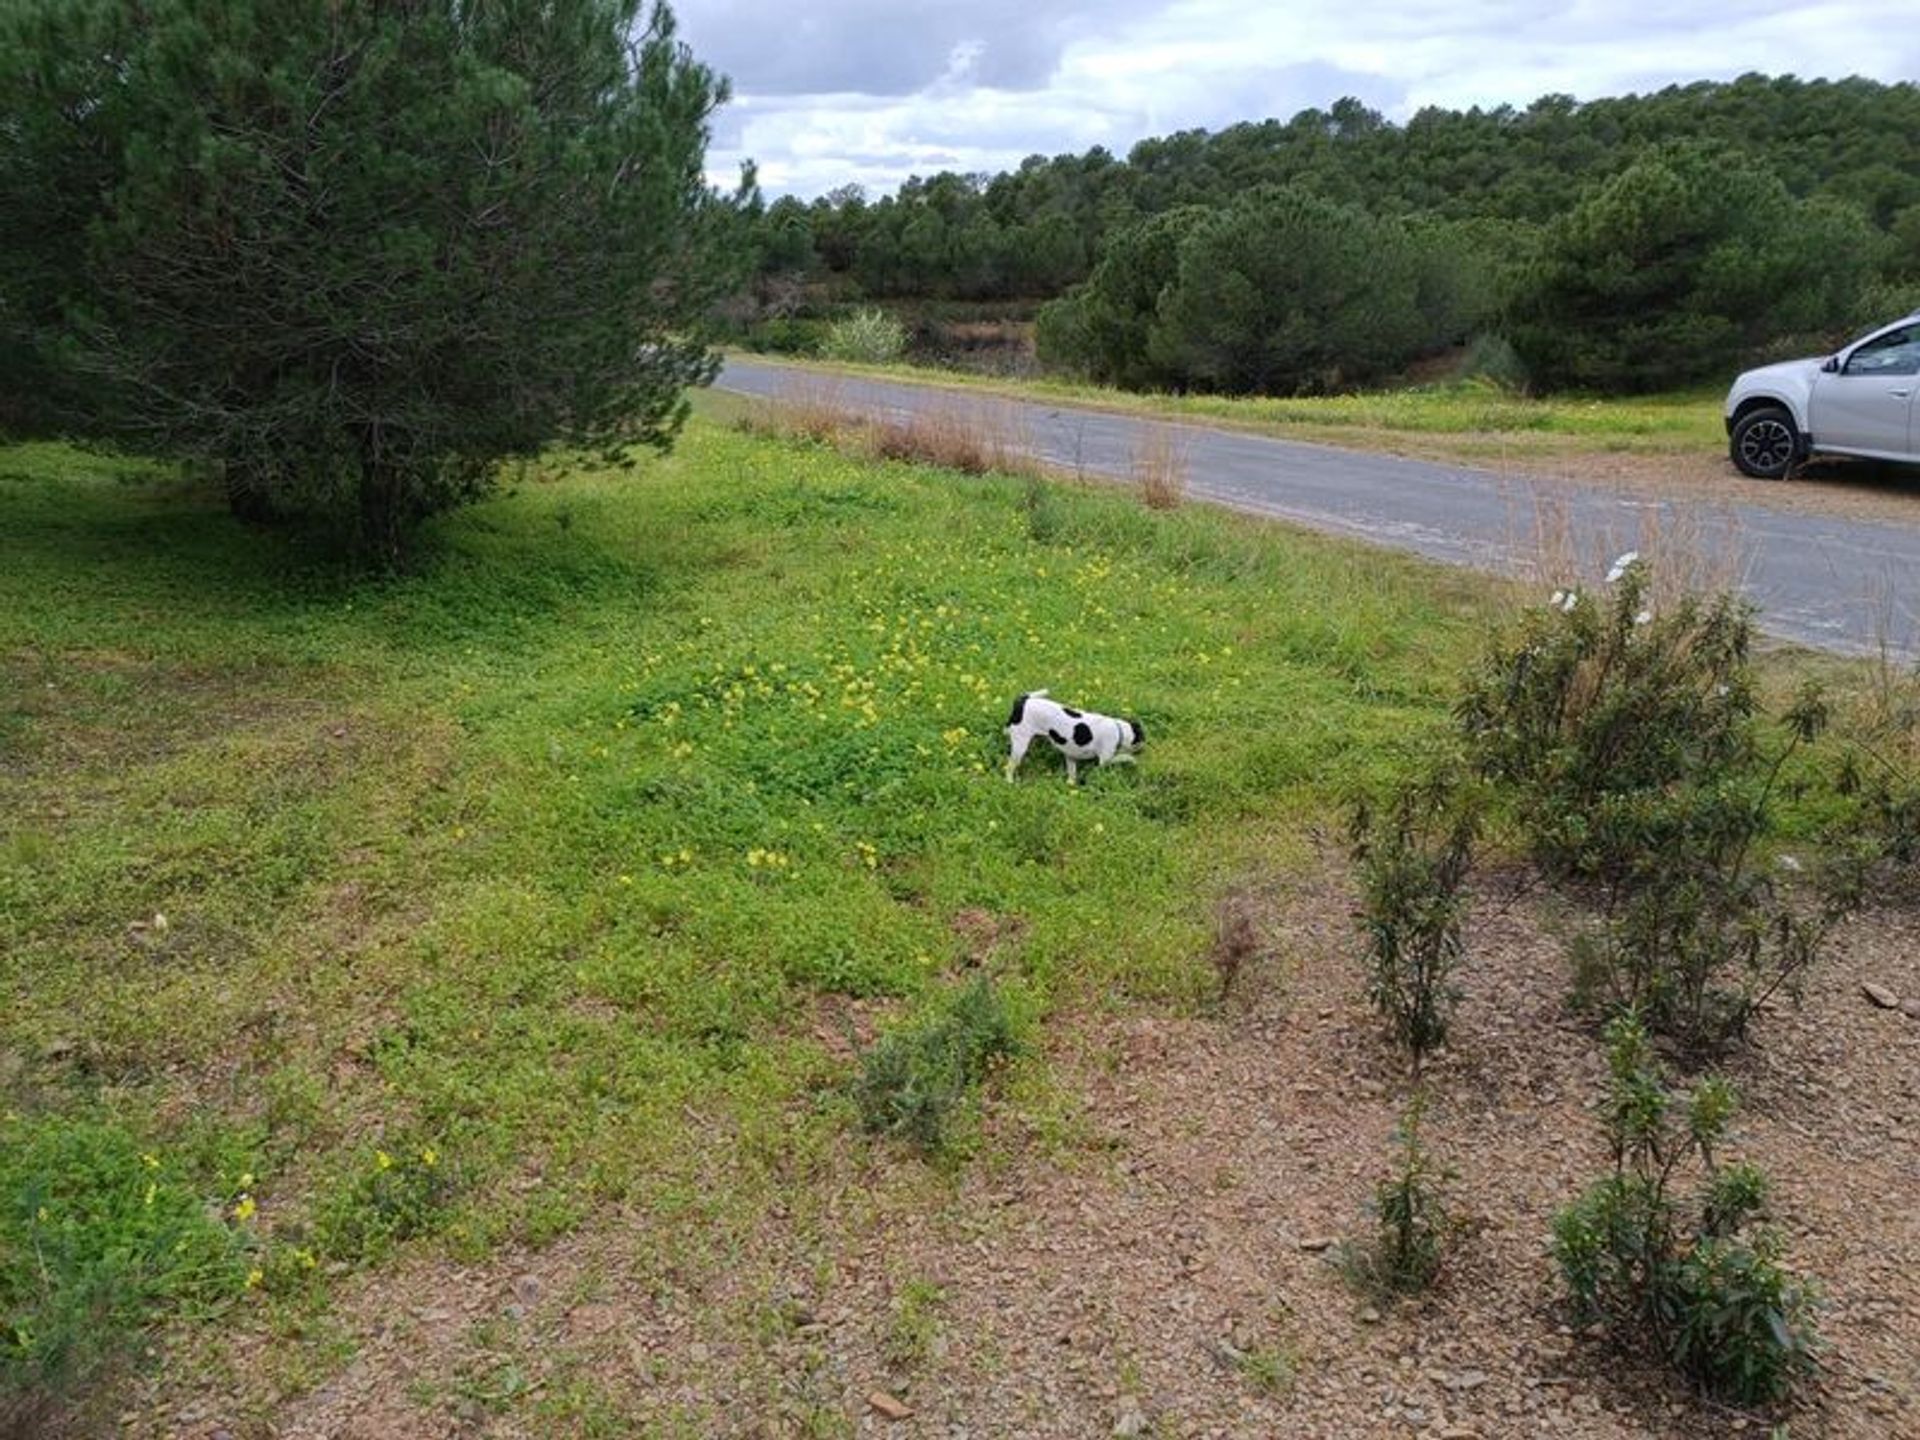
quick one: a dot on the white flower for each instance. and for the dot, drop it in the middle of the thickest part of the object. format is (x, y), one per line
(1620, 566)
(1571, 599)
(1790, 862)
(1643, 617)
(1558, 596)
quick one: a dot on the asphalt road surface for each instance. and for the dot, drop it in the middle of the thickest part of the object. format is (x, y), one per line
(1842, 585)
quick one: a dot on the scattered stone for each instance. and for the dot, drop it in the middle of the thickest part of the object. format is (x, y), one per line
(1466, 1380)
(1131, 1421)
(1881, 996)
(1369, 1316)
(889, 1406)
(1317, 1243)
(1910, 1009)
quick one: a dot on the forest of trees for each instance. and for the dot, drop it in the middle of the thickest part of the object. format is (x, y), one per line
(1616, 244)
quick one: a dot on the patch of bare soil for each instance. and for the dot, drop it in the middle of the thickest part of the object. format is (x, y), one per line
(1164, 1269)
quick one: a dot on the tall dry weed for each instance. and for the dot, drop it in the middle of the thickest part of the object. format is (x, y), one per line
(1159, 466)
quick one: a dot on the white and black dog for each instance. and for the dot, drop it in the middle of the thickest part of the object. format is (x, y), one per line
(1077, 734)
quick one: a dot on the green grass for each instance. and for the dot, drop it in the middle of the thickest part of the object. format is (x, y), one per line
(1472, 418)
(456, 909)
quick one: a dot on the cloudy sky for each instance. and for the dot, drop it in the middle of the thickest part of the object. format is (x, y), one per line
(831, 92)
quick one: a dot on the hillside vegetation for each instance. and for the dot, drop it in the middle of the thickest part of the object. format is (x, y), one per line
(1626, 244)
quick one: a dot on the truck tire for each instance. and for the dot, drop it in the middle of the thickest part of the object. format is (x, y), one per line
(1765, 443)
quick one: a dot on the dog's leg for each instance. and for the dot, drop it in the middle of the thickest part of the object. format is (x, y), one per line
(1017, 742)
(1119, 759)
(1073, 771)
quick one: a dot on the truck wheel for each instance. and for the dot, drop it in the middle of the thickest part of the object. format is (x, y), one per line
(1765, 443)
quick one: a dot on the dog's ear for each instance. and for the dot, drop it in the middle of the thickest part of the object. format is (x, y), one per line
(1139, 731)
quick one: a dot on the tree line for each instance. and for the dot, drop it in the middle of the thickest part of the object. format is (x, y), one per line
(1619, 244)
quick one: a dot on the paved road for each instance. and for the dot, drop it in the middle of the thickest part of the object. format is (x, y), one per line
(1843, 585)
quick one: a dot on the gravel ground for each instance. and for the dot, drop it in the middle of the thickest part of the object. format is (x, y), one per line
(1146, 1253)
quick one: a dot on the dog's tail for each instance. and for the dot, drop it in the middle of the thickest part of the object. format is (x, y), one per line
(1020, 707)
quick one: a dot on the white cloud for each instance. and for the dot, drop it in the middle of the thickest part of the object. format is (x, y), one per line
(871, 91)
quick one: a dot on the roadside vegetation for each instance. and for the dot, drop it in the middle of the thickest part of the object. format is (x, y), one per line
(355, 920)
(430, 912)
(1476, 420)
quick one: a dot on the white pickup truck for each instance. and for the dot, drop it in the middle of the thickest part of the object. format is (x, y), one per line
(1857, 401)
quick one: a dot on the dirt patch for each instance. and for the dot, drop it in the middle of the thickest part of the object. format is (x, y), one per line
(1161, 1267)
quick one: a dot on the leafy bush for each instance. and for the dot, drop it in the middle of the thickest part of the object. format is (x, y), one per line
(916, 1081)
(868, 337)
(1632, 749)
(1691, 1276)
(1413, 1227)
(97, 1241)
(1412, 861)
(787, 335)
(1595, 705)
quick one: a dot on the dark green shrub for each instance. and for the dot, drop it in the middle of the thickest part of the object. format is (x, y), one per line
(358, 255)
(1680, 265)
(1412, 1225)
(97, 1242)
(917, 1080)
(1285, 292)
(1412, 860)
(1692, 1276)
(1594, 706)
(1642, 777)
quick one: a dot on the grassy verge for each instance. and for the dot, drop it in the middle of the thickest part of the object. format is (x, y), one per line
(343, 920)
(1465, 419)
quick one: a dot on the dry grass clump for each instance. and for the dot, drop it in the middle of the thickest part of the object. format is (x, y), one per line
(1691, 549)
(972, 436)
(808, 408)
(1237, 937)
(1160, 468)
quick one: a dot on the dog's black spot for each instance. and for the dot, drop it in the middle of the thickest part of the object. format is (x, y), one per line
(1019, 711)
(1072, 714)
(1057, 738)
(1139, 732)
(1083, 734)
